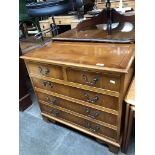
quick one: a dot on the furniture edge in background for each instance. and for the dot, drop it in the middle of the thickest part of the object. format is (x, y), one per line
(24, 96)
(129, 115)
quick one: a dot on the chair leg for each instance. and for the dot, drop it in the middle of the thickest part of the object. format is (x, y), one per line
(36, 22)
(55, 31)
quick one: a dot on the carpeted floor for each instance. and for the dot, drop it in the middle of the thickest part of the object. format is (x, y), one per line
(40, 138)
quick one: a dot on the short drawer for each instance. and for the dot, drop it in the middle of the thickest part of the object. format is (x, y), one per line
(84, 77)
(45, 70)
(61, 21)
(84, 95)
(111, 82)
(64, 20)
(86, 124)
(81, 109)
(94, 79)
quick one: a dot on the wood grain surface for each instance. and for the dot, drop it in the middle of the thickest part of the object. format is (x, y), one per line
(110, 57)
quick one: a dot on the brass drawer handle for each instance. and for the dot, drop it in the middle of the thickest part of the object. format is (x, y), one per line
(50, 101)
(85, 79)
(48, 84)
(93, 100)
(96, 114)
(54, 112)
(44, 71)
(95, 129)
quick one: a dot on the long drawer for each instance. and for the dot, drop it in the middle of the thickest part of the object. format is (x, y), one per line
(81, 109)
(83, 123)
(88, 96)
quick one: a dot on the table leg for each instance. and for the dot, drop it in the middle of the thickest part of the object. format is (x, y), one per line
(131, 116)
(126, 125)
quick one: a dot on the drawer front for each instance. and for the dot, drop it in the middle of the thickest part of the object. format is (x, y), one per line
(100, 80)
(88, 96)
(88, 125)
(45, 70)
(111, 82)
(81, 109)
(95, 98)
(64, 20)
(51, 86)
(84, 77)
(61, 21)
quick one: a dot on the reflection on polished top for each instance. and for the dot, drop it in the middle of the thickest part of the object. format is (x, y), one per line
(100, 56)
(97, 34)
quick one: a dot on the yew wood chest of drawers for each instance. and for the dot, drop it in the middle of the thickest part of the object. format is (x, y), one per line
(82, 85)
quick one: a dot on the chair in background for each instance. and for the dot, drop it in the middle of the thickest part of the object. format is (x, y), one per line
(52, 8)
(25, 18)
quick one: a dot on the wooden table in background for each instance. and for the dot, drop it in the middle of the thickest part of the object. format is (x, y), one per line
(71, 20)
(129, 115)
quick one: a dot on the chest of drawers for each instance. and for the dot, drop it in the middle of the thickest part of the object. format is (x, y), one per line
(82, 85)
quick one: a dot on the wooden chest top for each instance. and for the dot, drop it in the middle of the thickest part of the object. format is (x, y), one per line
(98, 56)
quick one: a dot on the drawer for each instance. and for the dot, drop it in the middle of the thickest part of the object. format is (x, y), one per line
(51, 86)
(81, 109)
(94, 98)
(84, 77)
(63, 20)
(84, 95)
(99, 80)
(45, 70)
(86, 124)
(111, 82)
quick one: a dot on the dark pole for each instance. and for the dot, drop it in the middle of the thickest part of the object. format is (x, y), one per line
(109, 22)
